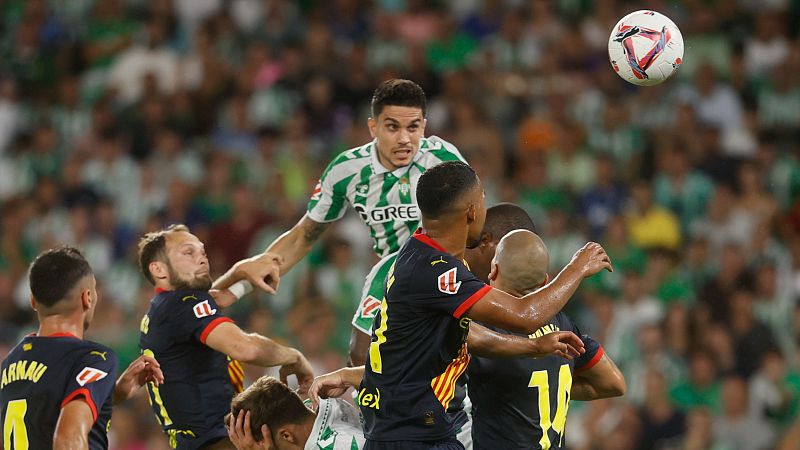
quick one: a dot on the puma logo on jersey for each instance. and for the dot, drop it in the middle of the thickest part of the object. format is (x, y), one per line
(203, 309)
(369, 306)
(447, 282)
(90, 375)
(440, 260)
(100, 354)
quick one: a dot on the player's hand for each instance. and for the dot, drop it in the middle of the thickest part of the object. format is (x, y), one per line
(591, 259)
(262, 271)
(301, 368)
(333, 384)
(145, 369)
(241, 435)
(565, 344)
(223, 297)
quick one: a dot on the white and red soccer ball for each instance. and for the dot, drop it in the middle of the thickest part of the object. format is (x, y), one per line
(645, 48)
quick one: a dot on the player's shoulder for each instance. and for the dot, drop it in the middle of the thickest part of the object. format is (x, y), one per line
(349, 161)
(173, 304)
(438, 150)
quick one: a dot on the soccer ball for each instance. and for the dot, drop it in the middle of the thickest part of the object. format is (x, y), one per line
(645, 48)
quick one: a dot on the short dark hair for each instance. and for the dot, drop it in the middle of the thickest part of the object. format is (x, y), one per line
(504, 218)
(270, 402)
(441, 186)
(398, 92)
(55, 272)
(153, 247)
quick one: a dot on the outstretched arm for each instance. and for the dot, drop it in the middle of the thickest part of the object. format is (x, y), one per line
(491, 344)
(253, 348)
(264, 270)
(602, 380)
(529, 313)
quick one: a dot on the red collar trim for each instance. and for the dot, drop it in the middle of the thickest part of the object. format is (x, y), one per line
(425, 239)
(54, 335)
(160, 290)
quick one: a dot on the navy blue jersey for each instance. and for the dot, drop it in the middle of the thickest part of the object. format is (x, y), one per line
(196, 394)
(418, 347)
(41, 375)
(521, 403)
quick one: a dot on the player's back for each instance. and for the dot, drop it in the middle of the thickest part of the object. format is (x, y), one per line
(418, 348)
(192, 402)
(41, 375)
(522, 403)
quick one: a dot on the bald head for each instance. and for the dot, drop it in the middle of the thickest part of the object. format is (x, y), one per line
(520, 263)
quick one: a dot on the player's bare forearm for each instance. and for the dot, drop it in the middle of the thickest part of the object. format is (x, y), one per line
(482, 341)
(269, 353)
(528, 313)
(359, 346)
(289, 249)
(603, 380)
(72, 428)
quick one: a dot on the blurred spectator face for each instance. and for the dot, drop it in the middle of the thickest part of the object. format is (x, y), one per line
(705, 79)
(168, 143)
(766, 280)
(732, 261)
(642, 196)
(702, 370)
(697, 252)
(397, 131)
(604, 170)
(45, 139)
(699, 425)
(650, 339)
(734, 397)
(631, 286)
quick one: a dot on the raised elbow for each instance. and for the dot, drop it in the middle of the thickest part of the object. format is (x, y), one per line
(619, 388)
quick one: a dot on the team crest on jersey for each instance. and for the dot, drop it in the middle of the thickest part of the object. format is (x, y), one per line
(203, 309)
(368, 307)
(315, 194)
(447, 282)
(90, 375)
(362, 188)
(405, 186)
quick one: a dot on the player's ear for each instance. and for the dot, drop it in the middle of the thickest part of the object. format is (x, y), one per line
(33, 303)
(372, 124)
(472, 212)
(494, 271)
(158, 269)
(86, 299)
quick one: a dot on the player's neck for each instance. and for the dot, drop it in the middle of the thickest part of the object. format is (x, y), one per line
(61, 324)
(454, 241)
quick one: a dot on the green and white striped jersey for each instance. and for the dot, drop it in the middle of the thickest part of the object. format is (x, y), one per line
(338, 427)
(386, 201)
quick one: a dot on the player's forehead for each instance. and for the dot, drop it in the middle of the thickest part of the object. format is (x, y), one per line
(179, 239)
(404, 115)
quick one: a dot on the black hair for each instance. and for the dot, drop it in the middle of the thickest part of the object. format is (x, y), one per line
(398, 92)
(503, 218)
(441, 186)
(55, 272)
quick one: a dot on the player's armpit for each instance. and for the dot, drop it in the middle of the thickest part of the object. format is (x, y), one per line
(72, 428)
(602, 380)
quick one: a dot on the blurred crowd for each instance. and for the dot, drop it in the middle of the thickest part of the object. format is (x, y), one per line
(119, 117)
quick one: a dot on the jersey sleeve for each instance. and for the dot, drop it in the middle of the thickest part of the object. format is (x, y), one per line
(328, 201)
(444, 151)
(446, 286)
(92, 378)
(196, 316)
(594, 351)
